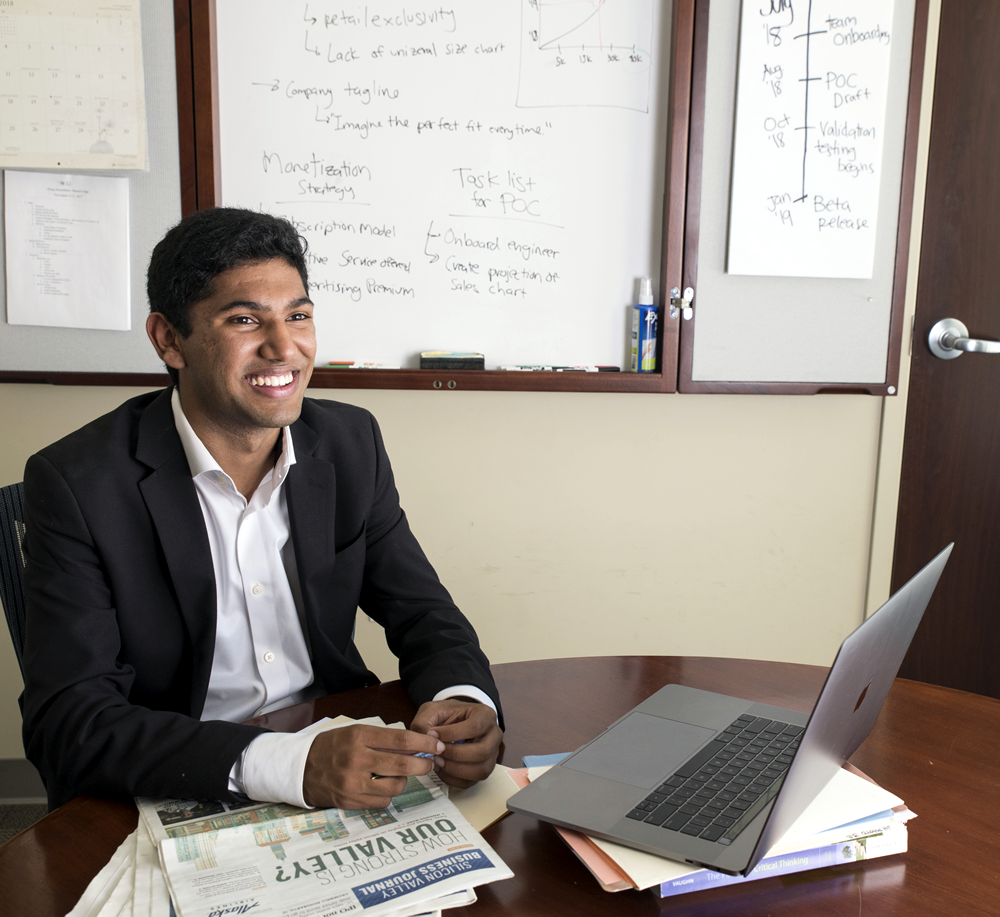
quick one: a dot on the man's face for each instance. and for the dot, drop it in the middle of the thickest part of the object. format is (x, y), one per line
(247, 362)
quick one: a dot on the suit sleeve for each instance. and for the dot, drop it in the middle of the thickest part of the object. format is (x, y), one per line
(82, 729)
(436, 645)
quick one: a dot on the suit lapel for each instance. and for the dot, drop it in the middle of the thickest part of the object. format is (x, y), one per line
(312, 498)
(177, 517)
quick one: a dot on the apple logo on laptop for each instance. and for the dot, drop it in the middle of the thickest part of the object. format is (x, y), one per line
(861, 697)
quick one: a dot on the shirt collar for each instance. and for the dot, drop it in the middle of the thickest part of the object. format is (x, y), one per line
(201, 460)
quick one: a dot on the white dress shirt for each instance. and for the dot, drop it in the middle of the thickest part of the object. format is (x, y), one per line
(261, 661)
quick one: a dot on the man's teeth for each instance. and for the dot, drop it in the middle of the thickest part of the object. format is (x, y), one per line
(283, 379)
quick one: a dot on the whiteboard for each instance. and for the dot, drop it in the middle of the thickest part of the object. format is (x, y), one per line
(789, 329)
(486, 176)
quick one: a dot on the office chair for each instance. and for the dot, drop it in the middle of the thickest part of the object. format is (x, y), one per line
(12, 563)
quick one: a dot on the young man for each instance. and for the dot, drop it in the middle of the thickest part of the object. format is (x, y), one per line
(197, 557)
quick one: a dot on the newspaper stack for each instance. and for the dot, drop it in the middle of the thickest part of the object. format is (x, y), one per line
(418, 856)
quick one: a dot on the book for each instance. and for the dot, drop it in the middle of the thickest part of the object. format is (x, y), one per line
(885, 843)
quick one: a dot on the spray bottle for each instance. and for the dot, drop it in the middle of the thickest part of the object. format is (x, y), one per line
(644, 315)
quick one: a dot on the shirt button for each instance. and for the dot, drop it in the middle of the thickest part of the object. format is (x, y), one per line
(257, 589)
(268, 657)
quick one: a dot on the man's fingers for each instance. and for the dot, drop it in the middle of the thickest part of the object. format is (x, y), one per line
(401, 741)
(363, 791)
(442, 715)
(477, 748)
(462, 774)
(341, 763)
(471, 736)
(467, 752)
(387, 764)
(466, 764)
(438, 713)
(378, 791)
(454, 721)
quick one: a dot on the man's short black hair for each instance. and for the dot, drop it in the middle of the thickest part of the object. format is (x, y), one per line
(193, 253)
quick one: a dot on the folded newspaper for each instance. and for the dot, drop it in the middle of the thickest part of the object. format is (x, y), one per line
(417, 855)
(132, 884)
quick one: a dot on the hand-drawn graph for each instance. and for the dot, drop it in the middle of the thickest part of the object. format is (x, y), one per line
(810, 119)
(586, 53)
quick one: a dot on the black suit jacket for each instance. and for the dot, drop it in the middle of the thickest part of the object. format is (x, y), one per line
(121, 598)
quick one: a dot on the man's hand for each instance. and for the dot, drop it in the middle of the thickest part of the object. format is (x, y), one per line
(473, 725)
(363, 767)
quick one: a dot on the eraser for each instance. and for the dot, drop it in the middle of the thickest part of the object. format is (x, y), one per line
(449, 359)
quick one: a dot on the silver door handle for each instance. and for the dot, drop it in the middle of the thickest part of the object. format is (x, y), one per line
(949, 338)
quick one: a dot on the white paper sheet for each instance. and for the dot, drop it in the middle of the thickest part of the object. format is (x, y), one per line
(72, 85)
(114, 881)
(810, 122)
(67, 251)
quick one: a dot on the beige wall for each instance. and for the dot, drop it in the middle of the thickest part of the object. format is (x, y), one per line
(576, 524)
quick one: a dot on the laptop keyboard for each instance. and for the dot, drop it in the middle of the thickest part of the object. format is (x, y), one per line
(719, 791)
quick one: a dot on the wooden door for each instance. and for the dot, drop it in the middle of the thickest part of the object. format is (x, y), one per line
(950, 486)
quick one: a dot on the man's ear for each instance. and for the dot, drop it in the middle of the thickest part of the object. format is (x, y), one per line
(165, 340)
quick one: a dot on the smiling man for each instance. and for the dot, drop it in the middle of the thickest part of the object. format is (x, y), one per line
(197, 557)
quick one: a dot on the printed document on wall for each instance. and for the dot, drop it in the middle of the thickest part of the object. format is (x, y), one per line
(810, 119)
(67, 251)
(71, 85)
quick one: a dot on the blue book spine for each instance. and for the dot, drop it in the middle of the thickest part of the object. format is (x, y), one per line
(780, 865)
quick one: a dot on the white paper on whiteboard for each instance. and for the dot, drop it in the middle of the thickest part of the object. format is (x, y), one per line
(67, 251)
(810, 123)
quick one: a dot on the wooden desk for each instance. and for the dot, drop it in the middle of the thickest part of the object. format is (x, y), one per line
(935, 747)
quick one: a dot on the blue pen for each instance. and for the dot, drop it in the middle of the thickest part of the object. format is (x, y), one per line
(427, 754)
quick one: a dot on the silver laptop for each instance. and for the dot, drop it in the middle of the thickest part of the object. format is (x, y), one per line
(715, 780)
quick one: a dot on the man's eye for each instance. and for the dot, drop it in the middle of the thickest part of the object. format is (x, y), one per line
(243, 320)
(299, 317)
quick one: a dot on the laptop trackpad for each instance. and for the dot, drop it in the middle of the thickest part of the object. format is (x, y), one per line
(640, 750)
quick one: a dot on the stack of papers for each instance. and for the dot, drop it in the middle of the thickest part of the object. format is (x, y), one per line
(851, 819)
(419, 856)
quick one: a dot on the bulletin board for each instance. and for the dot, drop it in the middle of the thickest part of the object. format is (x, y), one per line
(33, 353)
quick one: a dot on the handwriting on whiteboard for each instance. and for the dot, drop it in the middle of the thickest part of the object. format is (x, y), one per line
(807, 164)
(469, 176)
